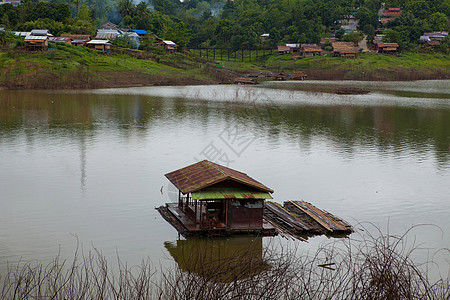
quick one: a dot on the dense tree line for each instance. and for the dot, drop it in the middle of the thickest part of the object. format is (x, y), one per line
(236, 24)
(56, 17)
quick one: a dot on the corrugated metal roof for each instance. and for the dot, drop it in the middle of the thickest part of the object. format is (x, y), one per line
(228, 193)
(99, 42)
(39, 32)
(59, 39)
(169, 43)
(22, 33)
(77, 36)
(35, 37)
(205, 173)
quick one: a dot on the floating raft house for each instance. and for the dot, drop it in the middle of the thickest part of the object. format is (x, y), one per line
(214, 200)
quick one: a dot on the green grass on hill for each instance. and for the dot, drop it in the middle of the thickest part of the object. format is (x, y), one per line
(79, 67)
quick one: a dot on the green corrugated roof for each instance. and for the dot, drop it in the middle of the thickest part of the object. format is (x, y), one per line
(228, 193)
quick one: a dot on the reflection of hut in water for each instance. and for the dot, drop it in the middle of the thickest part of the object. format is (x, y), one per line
(214, 199)
(219, 259)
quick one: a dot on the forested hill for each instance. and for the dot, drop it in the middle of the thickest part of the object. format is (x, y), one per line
(239, 23)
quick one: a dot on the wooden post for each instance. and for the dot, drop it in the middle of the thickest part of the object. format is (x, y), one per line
(195, 211)
(201, 213)
(226, 213)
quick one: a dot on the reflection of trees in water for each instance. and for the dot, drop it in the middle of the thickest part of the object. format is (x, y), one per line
(224, 259)
(389, 129)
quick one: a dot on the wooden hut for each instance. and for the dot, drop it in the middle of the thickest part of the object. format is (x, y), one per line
(35, 43)
(310, 50)
(103, 45)
(345, 49)
(169, 46)
(214, 197)
(390, 48)
(284, 49)
(79, 40)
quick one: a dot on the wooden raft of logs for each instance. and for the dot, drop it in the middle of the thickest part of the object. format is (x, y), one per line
(300, 219)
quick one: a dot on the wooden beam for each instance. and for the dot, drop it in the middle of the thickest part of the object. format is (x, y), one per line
(317, 219)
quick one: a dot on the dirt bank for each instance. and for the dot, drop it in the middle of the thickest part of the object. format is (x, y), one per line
(43, 79)
(103, 79)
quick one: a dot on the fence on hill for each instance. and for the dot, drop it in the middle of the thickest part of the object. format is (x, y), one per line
(226, 54)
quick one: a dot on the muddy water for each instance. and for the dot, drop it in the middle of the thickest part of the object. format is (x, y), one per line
(87, 167)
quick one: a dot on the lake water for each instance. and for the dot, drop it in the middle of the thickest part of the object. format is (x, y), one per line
(88, 166)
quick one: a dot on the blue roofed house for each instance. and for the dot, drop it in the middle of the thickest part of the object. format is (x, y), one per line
(140, 32)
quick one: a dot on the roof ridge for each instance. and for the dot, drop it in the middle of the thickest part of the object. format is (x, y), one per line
(215, 166)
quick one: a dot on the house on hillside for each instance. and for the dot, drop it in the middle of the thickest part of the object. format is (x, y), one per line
(283, 49)
(345, 49)
(107, 34)
(310, 50)
(102, 45)
(79, 40)
(264, 37)
(294, 48)
(64, 40)
(214, 197)
(169, 46)
(437, 35)
(389, 48)
(36, 42)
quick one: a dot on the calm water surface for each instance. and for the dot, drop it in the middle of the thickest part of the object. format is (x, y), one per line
(88, 166)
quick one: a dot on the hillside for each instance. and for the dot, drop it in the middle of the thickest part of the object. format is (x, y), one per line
(70, 67)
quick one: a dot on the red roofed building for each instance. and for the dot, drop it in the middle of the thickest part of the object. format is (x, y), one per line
(392, 11)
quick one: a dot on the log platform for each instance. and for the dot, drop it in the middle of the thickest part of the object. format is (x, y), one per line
(298, 219)
(301, 219)
(186, 226)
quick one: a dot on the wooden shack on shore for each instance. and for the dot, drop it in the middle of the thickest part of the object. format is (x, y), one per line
(215, 198)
